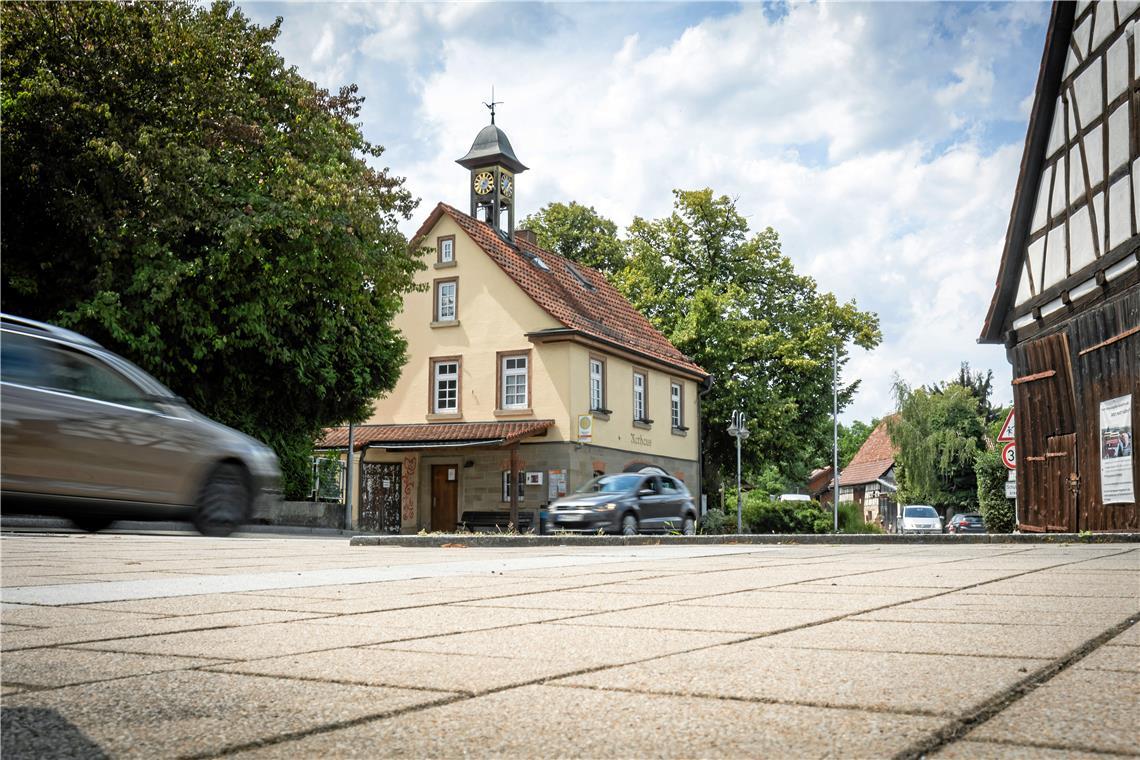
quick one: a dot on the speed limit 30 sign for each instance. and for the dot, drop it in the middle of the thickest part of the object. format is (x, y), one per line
(1009, 456)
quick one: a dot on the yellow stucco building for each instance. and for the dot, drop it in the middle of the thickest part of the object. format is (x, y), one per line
(518, 361)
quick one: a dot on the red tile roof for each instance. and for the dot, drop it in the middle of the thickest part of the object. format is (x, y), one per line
(871, 462)
(435, 434)
(602, 313)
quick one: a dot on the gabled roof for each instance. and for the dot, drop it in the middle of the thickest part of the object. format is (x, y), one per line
(1029, 178)
(435, 434)
(875, 457)
(599, 312)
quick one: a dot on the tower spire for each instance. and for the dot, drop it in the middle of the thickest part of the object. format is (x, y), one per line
(493, 103)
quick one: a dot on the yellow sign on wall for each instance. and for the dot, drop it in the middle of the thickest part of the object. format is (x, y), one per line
(585, 428)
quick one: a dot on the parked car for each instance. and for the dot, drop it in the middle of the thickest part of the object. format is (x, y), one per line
(626, 503)
(920, 518)
(968, 522)
(88, 435)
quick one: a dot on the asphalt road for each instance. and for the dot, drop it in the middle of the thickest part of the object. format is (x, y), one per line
(126, 645)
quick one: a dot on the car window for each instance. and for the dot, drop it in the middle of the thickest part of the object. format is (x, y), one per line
(82, 375)
(610, 484)
(21, 360)
(651, 484)
(920, 512)
(668, 485)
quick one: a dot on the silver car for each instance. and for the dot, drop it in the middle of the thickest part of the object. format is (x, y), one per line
(920, 518)
(626, 503)
(88, 435)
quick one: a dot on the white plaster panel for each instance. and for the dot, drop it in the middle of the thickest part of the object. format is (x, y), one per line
(1058, 204)
(1080, 240)
(1072, 123)
(1034, 262)
(1118, 138)
(1082, 290)
(1057, 134)
(1081, 36)
(1076, 175)
(1104, 22)
(1119, 212)
(1041, 210)
(1126, 8)
(1055, 258)
(1023, 289)
(1098, 217)
(1023, 321)
(1094, 154)
(1114, 271)
(1071, 64)
(1135, 48)
(1055, 305)
(1089, 93)
(1136, 187)
(1117, 58)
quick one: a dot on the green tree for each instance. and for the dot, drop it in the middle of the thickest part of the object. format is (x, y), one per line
(980, 386)
(734, 303)
(173, 189)
(580, 234)
(938, 435)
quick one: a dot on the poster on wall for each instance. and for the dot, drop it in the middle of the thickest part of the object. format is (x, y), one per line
(1116, 451)
(557, 481)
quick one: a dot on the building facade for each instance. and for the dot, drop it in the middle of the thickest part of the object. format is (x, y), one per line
(524, 369)
(1067, 300)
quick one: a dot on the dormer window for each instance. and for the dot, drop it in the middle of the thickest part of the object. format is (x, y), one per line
(581, 278)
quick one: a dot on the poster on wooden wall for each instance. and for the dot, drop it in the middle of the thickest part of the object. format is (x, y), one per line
(1116, 451)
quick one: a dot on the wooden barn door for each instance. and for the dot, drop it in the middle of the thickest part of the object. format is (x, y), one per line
(1048, 476)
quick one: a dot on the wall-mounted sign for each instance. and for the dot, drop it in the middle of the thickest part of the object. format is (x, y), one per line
(1011, 489)
(585, 428)
(451, 473)
(557, 483)
(1116, 446)
(534, 478)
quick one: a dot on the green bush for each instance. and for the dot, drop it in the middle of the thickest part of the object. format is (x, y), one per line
(718, 522)
(762, 515)
(998, 512)
(851, 519)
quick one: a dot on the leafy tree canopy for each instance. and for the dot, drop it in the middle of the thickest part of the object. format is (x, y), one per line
(980, 387)
(937, 435)
(173, 189)
(852, 437)
(580, 234)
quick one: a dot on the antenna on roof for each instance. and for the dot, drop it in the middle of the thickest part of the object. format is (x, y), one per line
(493, 103)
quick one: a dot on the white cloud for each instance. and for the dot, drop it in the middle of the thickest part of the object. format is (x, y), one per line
(863, 133)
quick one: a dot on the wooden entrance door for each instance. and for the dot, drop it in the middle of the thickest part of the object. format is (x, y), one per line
(1047, 473)
(444, 496)
(380, 497)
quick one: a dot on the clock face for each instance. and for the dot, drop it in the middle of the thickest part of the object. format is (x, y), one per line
(484, 181)
(506, 184)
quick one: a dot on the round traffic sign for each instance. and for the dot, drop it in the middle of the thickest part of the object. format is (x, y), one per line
(1009, 456)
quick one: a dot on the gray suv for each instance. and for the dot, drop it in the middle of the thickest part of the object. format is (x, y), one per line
(90, 436)
(626, 503)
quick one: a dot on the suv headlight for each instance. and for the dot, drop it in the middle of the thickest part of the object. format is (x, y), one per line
(609, 506)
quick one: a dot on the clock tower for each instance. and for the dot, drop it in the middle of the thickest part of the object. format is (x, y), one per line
(493, 166)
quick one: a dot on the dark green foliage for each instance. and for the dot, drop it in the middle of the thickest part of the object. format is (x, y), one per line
(718, 522)
(851, 519)
(763, 515)
(174, 190)
(997, 511)
(580, 234)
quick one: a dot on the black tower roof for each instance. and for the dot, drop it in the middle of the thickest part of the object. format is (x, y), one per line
(491, 146)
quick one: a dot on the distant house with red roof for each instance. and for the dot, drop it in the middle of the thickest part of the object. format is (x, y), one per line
(526, 374)
(869, 479)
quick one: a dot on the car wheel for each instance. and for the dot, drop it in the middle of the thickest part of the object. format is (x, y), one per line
(91, 523)
(629, 525)
(225, 502)
(689, 526)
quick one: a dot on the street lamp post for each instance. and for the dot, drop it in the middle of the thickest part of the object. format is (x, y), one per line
(739, 430)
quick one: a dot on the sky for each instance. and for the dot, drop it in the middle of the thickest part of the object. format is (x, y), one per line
(882, 141)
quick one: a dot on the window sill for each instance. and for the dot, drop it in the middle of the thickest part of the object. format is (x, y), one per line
(450, 416)
(444, 264)
(681, 431)
(601, 414)
(643, 424)
(528, 412)
(445, 323)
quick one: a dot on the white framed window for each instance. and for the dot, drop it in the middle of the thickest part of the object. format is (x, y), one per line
(639, 384)
(446, 249)
(445, 294)
(675, 407)
(507, 486)
(597, 385)
(445, 387)
(513, 381)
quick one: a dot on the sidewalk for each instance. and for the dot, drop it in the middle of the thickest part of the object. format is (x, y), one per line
(184, 646)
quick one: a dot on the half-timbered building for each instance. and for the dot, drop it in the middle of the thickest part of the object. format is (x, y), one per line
(1067, 300)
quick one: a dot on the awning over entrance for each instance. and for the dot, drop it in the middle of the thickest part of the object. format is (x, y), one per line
(435, 434)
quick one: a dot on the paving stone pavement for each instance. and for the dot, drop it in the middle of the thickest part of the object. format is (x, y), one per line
(155, 646)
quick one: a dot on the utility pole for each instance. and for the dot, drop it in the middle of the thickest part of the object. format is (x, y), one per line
(835, 433)
(348, 480)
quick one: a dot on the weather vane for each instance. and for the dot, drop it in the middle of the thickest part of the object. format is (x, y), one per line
(493, 103)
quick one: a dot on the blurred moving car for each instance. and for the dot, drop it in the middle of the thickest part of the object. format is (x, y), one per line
(90, 436)
(967, 522)
(920, 518)
(626, 503)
